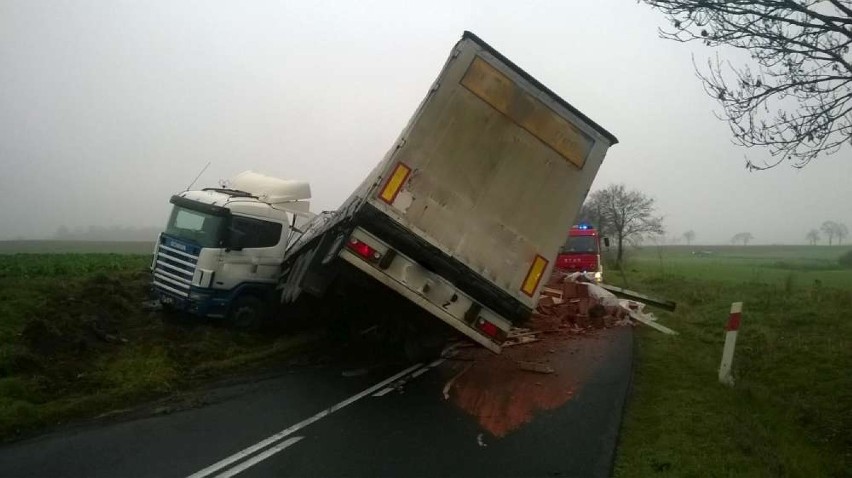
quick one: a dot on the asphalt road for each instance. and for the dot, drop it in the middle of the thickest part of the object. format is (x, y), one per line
(430, 419)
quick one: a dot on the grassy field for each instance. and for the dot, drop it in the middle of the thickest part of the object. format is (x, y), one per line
(758, 264)
(79, 247)
(75, 340)
(790, 411)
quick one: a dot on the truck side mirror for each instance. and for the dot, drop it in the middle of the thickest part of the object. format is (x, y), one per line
(606, 242)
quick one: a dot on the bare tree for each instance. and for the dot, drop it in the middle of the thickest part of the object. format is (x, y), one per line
(796, 99)
(689, 236)
(625, 214)
(834, 230)
(592, 213)
(812, 236)
(841, 232)
(744, 237)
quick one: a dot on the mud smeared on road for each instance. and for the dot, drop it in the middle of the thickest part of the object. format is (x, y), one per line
(504, 392)
(503, 396)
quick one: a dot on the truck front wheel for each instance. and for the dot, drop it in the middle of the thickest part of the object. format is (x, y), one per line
(247, 313)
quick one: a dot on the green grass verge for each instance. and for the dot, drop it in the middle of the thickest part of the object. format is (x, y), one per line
(76, 342)
(803, 265)
(790, 411)
(77, 247)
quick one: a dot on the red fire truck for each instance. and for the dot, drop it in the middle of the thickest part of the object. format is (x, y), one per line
(582, 252)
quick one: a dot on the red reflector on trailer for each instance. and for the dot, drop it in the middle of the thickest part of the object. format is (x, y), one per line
(363, 250)
(487, 328)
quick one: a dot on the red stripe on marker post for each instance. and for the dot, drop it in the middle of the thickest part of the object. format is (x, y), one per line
(734, 320)
(731, 329)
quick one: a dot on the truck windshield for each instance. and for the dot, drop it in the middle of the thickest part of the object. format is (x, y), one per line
(202, 228)
(580, 245)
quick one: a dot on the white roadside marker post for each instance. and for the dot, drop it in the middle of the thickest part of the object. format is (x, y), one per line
(731, 329)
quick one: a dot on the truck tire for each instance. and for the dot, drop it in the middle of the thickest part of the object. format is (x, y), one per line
(247, 313)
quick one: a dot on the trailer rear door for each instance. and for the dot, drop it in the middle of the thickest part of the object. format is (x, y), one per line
(492, 169)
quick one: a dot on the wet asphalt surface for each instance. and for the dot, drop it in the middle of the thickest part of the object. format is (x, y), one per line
(333, 420)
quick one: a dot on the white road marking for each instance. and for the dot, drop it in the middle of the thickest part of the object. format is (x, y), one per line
(450, 383)
(437, 362)
(219, 465)
(383, 392)
(420, 372)
(259, 458)
(402, 381)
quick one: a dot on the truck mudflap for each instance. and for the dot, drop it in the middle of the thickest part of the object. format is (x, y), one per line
(425, 288)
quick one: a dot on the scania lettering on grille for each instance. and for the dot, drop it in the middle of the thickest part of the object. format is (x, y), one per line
(177, 245)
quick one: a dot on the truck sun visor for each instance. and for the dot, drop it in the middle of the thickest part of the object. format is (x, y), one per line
(199, 206)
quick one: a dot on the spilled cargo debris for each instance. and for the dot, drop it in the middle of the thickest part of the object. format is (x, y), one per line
(537, 367)
(572, 300)
(543, 365)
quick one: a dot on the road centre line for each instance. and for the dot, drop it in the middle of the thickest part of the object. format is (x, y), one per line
(383, 392)
(436, 362)
(420, 372)
(219, 465)
(416, 374)
(259, 458)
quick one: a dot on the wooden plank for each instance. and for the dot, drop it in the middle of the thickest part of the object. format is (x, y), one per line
(535, 367)
(514, 335)
(522, 341)
(650, 323)
(633, 295)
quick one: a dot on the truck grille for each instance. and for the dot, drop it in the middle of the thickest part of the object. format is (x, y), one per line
(174, 268)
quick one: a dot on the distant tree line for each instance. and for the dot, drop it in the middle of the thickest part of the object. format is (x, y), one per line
(834, 231)
(742, 237)
(111, 233)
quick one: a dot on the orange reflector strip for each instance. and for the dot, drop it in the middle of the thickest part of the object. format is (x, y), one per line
(534, 275)
(395, 182)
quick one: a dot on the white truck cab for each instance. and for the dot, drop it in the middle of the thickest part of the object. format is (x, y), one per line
(222, 248)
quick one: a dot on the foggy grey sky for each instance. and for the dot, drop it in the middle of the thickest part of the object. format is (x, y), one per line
(107, 107)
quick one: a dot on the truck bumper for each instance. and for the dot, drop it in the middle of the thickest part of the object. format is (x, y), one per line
(202, 303)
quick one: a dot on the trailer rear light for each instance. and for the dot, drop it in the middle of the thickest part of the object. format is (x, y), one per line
(363, 250)
(537, 268)
(395, 182)
(490, 329)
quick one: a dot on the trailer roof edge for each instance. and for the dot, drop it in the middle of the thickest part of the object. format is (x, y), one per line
(472, 36)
